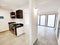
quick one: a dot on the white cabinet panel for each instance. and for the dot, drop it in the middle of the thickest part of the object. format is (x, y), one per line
(20, 31)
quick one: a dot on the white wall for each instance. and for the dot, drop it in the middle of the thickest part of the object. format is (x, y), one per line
(17, 20)
(27, 25)
(4, 22)
(33, 22)
(34, 26)
(30, 25)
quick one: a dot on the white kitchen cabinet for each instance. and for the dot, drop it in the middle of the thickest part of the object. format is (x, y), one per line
(20, 31)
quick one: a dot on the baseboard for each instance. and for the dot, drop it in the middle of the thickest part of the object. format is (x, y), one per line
(3, 31)
(35, 41)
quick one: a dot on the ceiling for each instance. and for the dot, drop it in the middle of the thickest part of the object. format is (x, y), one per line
(48, 5)
(51, 2)
(13, 3)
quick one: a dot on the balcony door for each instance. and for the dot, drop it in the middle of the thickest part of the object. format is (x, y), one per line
(51, 20)
(46, 20)
(42, 20)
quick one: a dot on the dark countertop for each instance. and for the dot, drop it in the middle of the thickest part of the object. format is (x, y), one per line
(14, 24)
(17, 25)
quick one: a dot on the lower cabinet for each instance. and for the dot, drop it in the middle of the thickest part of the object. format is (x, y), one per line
(20, 31)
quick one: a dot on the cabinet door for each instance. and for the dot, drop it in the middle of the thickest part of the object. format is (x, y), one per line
(20, 31)
(19, 13)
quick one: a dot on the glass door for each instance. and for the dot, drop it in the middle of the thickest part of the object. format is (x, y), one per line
(51, 20)
(42, 20)
(47, 20)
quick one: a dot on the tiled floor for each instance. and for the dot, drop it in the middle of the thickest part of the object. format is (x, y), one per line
(46, 36)
(7, 38)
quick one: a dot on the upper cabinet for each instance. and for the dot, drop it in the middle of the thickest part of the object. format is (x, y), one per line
(18, 14)
(12, 15)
